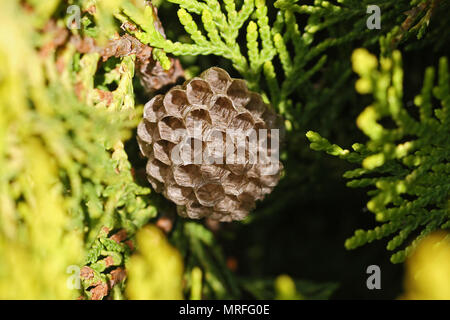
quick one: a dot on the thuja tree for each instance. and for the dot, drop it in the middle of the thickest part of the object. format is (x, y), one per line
(407, 164)
(77, 214)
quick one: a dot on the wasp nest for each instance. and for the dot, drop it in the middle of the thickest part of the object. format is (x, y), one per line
(206, 149)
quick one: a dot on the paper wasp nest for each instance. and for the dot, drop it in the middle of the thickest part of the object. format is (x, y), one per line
(205, 149)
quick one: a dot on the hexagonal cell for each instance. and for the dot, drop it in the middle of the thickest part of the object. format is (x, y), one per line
(259, 124)
(179, 195)
(156, 169)
(145, 148)
(218, 79)
(238, 93)
(187, 176)
(162, 151)
(213, 172)
(266, 190)
(198, 118)
(253, 188)
(246, 201)
(156, 185)
(256, 105)
(199, 92)
(229, 209)
(154, 109)
(234, 184)
(175, 101)
(168, 179)
(195, 210)
(209, 194)
(253, 172)
(143, 133)
(243, 121)
(222, 111)
(228, 204)
(144, 137)
(270, 180)
(172, 129)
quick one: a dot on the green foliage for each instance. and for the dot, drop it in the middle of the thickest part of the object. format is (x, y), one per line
(284, 287)
(71, 194)
(199, 249)
(405, 162)
(64, 172)
(267, 45)
(156, 271)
